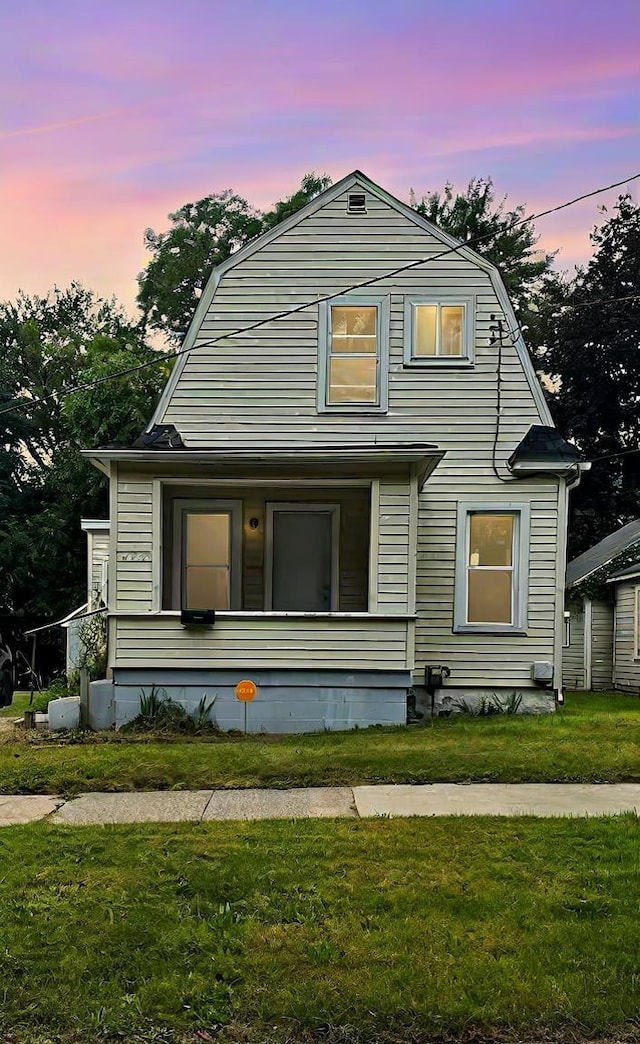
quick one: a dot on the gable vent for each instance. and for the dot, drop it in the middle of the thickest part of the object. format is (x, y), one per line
(357, 203)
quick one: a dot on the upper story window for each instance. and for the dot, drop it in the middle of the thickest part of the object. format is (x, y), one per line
(353, 354)
(439, 331)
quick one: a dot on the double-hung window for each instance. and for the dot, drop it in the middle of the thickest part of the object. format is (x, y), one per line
(353, 354)
(207, 541)
(439, 330)
(636, 623)
(491, 568)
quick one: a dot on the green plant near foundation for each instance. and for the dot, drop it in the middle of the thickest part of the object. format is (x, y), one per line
(202, 716)
(487, 706)
(160, 714)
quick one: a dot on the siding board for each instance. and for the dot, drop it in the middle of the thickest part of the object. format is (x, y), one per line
(262, 642)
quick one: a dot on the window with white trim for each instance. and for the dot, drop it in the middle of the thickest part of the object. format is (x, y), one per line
(206, 566)
(353, 354)
(491, 568)
(438, 330)
(636, 623)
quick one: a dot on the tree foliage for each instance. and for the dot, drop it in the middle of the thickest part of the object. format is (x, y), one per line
(203, 235)
(474, 216)
(47, 345)
(593, 356)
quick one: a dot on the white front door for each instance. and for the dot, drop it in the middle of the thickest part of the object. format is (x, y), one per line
(302, 566)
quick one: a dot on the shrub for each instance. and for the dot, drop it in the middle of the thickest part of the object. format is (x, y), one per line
(92, 655)
(58, 689)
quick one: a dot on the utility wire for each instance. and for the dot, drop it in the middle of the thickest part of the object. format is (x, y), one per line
(600, 300)
(165, 356)
(612, 456)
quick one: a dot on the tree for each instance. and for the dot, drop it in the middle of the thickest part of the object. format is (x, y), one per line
(592, 355)
(203, 235)
(310, 187)
(474, 215)
(47, 345)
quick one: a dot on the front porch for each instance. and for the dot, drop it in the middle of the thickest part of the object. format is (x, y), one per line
(309, 568)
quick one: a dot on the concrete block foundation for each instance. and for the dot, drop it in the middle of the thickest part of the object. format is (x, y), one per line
(287, 701)
(452, 700)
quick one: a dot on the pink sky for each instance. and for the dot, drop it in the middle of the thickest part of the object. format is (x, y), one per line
(113, 115)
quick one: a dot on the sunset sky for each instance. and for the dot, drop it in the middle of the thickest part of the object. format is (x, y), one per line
(112, 115)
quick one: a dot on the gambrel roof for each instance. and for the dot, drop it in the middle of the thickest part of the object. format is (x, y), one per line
(356, 180)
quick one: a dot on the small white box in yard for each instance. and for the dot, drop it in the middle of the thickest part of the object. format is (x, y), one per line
(64, 713)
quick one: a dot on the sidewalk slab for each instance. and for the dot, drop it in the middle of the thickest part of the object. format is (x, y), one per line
(498, 799)
(161, 806)
(20, 808)
(299, 803)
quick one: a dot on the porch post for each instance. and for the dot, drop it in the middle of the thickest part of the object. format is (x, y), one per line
(374, 531)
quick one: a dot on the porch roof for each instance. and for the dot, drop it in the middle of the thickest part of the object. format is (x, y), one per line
(350, 460)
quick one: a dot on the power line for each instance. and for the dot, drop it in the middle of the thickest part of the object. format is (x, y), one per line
(613, 456)
(165, 356)
(600, 300)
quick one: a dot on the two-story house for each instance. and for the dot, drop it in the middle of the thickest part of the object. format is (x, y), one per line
(352, 465)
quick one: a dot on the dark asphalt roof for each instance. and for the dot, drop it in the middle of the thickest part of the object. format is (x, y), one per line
(632, 570)
(545, 444)
(603, 552)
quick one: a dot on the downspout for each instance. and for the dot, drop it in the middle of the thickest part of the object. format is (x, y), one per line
(587, 643)
(564, 488)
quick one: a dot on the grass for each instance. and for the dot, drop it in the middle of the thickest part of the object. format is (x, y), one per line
(18, 707)
(595, 738)
(340, 930)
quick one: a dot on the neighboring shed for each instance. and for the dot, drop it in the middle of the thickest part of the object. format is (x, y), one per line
(626, 646)
(598, 635)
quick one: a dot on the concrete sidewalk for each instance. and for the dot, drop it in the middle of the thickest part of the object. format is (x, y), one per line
(436, 799)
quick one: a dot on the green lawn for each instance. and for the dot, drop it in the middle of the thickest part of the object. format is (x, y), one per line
(18, 707)
(595, 738)
(317, 930)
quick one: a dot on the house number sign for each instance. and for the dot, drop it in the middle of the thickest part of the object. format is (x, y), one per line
(246, 691)
(134, 556)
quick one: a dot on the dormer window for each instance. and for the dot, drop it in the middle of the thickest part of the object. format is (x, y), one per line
(353, 353)
(357, 203)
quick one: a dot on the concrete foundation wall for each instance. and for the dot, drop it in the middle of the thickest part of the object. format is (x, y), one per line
(453, 700)
(287, 701)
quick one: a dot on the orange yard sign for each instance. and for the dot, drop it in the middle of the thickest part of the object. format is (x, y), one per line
(246, 691)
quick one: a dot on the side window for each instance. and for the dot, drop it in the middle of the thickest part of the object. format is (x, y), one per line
(353, 354)
(636, 623)
(491, 568)
(439, 331)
